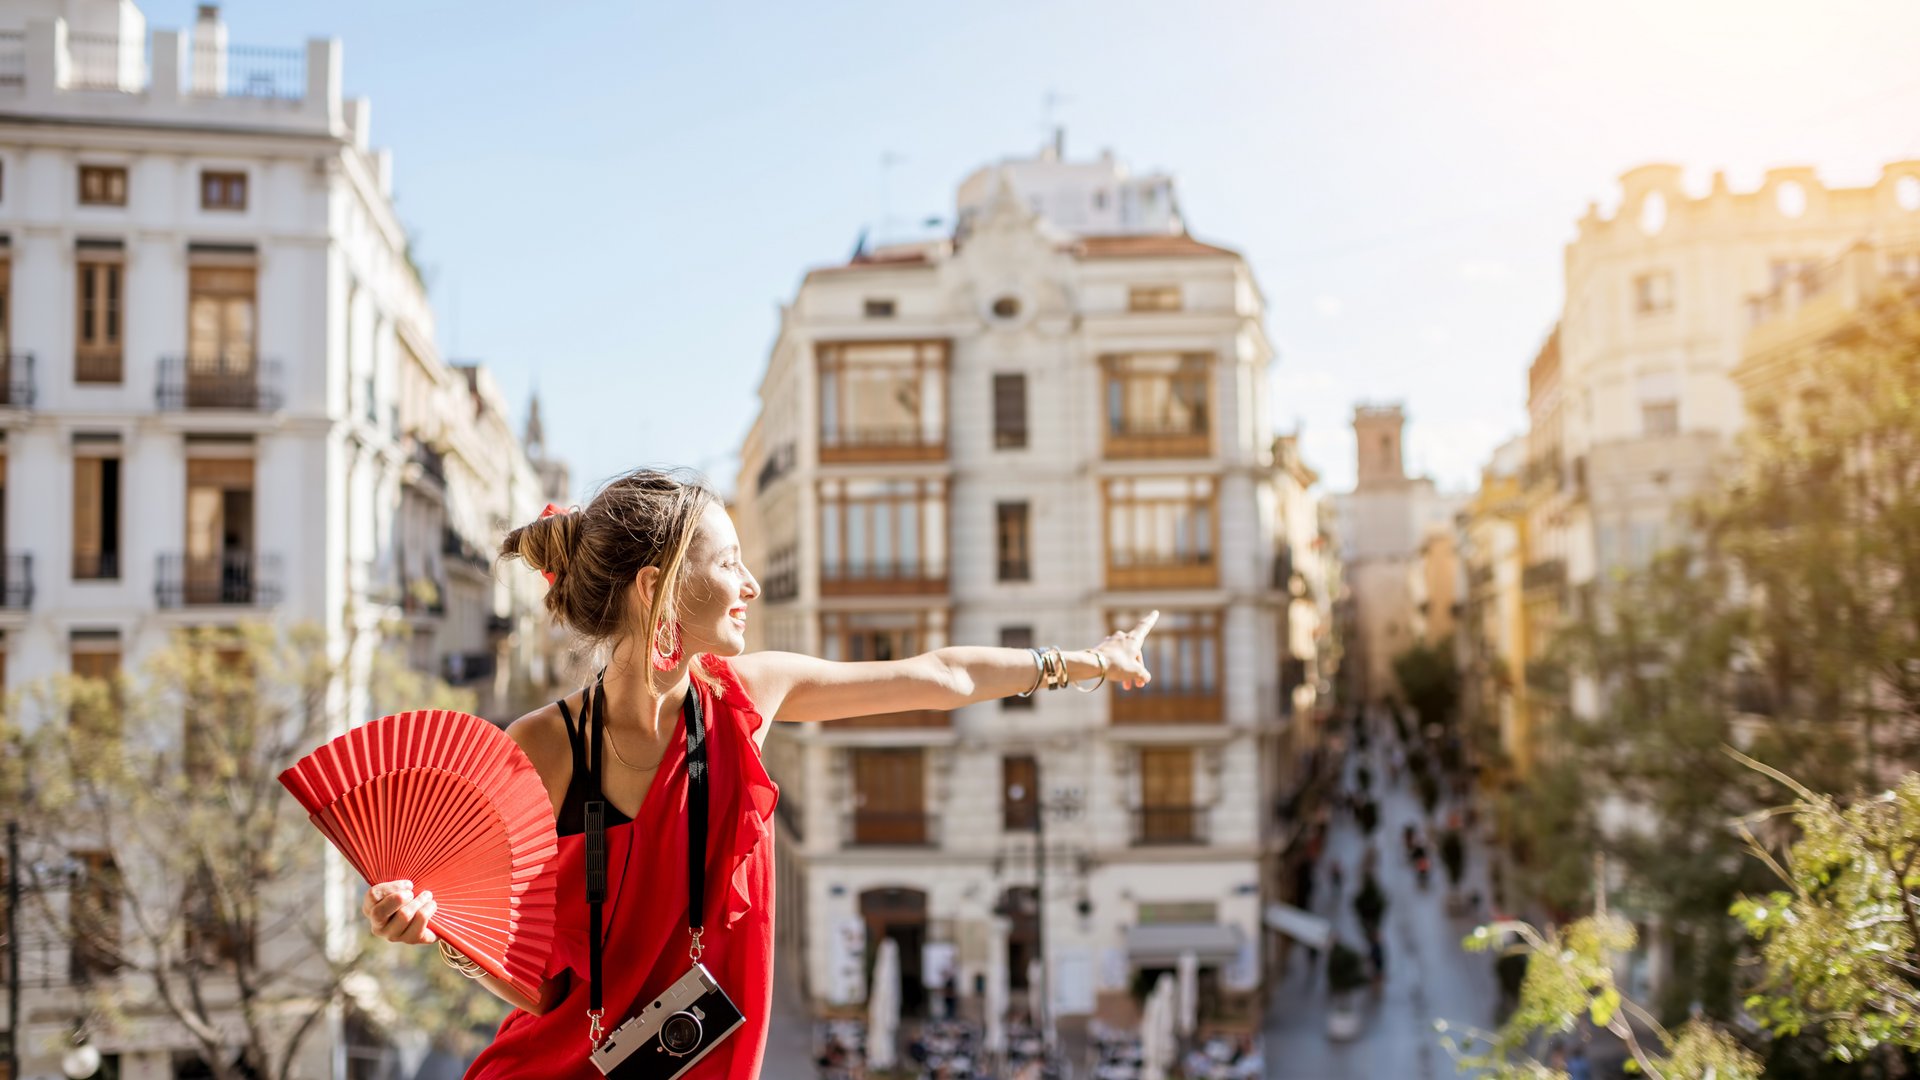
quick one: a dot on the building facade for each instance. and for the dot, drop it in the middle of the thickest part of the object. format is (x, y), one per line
(223, 404)
(1024, 435)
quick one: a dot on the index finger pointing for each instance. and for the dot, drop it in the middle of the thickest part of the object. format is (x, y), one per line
(1140, 628)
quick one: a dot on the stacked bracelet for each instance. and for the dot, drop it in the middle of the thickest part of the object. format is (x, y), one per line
(460, 963)
(1039, 672)
(1050, 670)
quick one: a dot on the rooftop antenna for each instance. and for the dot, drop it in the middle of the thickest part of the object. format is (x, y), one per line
(888, 159)
(1050, 105)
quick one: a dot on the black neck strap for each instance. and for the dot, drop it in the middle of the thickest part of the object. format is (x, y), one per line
(594, 705)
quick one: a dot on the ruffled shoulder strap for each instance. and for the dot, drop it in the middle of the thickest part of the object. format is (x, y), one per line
(753, 795)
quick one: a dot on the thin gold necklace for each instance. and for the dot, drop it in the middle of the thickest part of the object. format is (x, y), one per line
(615, 747)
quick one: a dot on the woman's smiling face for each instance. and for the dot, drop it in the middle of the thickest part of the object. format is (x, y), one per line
(715, 586)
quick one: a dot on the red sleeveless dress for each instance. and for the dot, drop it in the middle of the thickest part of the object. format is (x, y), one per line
(645, 913)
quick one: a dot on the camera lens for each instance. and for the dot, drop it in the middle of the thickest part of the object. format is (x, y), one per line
(680, 1034)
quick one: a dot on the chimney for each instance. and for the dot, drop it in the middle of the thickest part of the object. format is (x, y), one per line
(209, 52)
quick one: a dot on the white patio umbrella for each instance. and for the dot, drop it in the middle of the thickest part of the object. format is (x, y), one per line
(1033, 993)
(995, 1043)
(1150, 1031)
(1188, 968)
(883, 1007)
(1163, 1020)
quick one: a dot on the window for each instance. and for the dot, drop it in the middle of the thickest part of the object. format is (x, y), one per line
(1012, 532)
(103, 185)
(889, 796)
(215, 934)
(1160, 532)
(1019, 793)
(1009, 411)
(1660, 417)
(883, 401)
(1167, 813)
(96, 518)
(1153, 298)
(1016, 637)
(1183, 652)
(97, 353)
(94, 660)
(879, 308)
(881, 536)
(873, 635)
(220, 337)
(93, 908)
(219, 561)
(1653, 293)
(1157, 405)
(223, 190)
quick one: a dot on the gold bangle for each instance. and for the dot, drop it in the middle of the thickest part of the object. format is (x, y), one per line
(1097, 655)
(1057, 679)
(1039, 673)
(460, 962)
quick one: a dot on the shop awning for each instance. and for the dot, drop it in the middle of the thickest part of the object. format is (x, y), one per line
(1160, 944)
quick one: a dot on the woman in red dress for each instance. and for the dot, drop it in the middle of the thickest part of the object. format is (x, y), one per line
(649, 574)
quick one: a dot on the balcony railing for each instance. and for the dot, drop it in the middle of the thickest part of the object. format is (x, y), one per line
(106, 62)
(778, 464)
(462, 669)
(1173, 705)
(13, 58)
(16, 380)
(891, 828)
(96, 565)
(882, 443)
(1169, 825)
(252, 71)
(16, 582)
(95, 365)
(218, 381)
(1161, 570)
(230, 579)
(874, 578)
(1134, 437)
(780, 586)
(914, 718)
(459, 548)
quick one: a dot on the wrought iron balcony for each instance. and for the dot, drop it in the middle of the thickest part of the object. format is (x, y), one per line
(230, 579)
(881, 578)
(16, 380)
(16, 582)
(1169, 825)
(219, 381)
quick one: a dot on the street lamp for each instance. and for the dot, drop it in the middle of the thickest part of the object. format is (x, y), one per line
(83, 1060)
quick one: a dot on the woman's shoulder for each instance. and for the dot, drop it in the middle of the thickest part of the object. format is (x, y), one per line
(542, 736)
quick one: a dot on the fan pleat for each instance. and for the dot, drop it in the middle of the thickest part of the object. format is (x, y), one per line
(449, 802)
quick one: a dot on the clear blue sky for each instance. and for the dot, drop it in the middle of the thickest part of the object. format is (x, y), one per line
(612, 198)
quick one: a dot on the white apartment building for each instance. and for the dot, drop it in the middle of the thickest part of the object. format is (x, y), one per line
(223, 402)
(1657, 313)
(1025, 434)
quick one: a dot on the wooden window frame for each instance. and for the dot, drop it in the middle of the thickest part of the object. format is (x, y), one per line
(112, 184)
(879, 307)
(1186, 653)
(1155, 298)
(1169, 812)
(847, 442)
(1013, 540)
(1135, 437)
(99, 318)
(923, 572)
(841, 630)
(1010, 410)
(1127, 538)
(223, 190)
(897, 775)
(1019, 813)
(106, 561)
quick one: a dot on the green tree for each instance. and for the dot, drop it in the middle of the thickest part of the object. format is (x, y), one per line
(203, 901)
(1430, 682)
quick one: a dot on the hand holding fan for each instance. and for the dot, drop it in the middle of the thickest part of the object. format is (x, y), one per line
(449, 802)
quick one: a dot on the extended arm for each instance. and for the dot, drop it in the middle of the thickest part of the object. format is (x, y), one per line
(795, 687)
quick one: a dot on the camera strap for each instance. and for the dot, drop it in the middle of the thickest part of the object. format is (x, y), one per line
(596, 838)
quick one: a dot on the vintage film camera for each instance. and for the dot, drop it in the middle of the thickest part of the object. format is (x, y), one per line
(672, 1033)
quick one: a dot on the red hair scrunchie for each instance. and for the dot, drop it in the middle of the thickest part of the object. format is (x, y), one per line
(550, 511)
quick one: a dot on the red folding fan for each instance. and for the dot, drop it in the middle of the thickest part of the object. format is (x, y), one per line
(449, 802)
